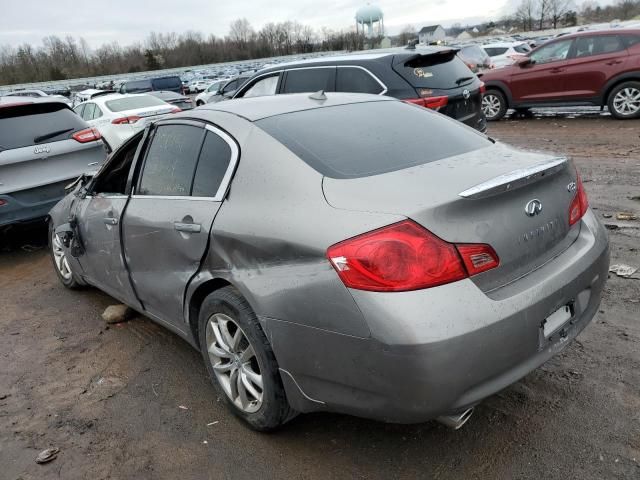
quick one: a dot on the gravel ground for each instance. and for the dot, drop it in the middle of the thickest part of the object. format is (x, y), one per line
(110, 398)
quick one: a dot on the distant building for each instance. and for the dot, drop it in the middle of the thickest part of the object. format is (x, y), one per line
(432, 33)
(385, 43)
(463, 36)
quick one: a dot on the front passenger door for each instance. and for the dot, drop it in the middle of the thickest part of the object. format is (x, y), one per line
(544, 79)
(182, 183)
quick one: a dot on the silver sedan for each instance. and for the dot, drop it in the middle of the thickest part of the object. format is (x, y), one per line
(340, 252)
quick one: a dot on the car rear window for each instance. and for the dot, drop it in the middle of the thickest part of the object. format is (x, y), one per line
(137, 86)
(166, 83)
(131, 103)
(495, 51)
(438, 70)
(364, 139)
(20, 126)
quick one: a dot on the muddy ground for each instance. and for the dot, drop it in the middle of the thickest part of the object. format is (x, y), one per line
(110, 398)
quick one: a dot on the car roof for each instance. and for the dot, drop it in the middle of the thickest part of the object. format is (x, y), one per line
(258, 108)
(502, 44)
(6, 101)
(606, 31)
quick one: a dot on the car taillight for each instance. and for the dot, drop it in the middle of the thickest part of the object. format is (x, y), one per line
(483, 88)
(129, 119)
(406, 256)
(2, 202)
(87, 135)
(433, 103)
(176, 110)
(579, 204)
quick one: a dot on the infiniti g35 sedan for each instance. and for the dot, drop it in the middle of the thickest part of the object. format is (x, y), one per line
(340, 252)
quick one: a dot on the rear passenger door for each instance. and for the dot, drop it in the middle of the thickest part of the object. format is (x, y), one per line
(594, 60)
(181, 184)
(309, 79)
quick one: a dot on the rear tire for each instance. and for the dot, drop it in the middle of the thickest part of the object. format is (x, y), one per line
(494, 105)
(60, 262)
(624, 101)
(199, 103)
(240, 361)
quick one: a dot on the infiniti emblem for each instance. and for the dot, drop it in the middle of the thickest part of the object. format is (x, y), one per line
(533, 208)
(572, 187)
(466, 94)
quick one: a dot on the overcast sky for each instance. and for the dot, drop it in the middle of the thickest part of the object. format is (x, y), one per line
(28, 21)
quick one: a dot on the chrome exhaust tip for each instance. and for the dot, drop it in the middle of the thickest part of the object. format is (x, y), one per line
(456, 421)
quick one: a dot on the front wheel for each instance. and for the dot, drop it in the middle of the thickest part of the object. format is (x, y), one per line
(61, 262)
(494, 105)
(624, 101)
(240, 360)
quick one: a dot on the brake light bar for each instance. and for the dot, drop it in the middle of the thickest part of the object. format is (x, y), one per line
(87, 135)
(405, 256)
(129, 119)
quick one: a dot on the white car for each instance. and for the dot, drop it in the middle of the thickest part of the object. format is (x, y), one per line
(210, 91)
(119, 116)
(37, 94)
(197, 86)
(506, 53)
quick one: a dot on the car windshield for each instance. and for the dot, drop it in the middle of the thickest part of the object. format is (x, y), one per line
(350, 141)
(131, 103)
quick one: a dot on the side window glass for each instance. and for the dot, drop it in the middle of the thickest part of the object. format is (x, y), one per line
(356, 80)
(264, 86)
(97, 113)
(171, 160)
(79, 110)
(310, 80)
(584, 47)
(214, 161)
(89, 108)
(631, 40)
(607, 44)
(555, 52)
(230, 87)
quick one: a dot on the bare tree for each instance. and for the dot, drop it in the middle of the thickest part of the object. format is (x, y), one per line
(558, 9)
(525, 14)
(543, 10)
(407, 34)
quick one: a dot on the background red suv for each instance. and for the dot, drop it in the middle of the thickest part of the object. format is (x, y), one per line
(588, 68)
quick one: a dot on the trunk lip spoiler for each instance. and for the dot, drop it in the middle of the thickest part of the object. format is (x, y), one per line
(515, 179)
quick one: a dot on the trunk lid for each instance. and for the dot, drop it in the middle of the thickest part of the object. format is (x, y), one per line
(478, 197)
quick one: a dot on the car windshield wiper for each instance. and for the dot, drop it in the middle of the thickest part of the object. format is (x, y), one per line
(47, 136)
(463, 79)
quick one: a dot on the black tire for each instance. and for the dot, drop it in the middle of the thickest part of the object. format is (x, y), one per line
(616, 104)
(494, 105)
(70, 281)
(274, 410)
(199, 103)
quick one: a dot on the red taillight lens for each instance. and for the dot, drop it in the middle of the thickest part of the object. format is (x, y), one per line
(405, 256)
(176, 110)
(87, 135)
(433, 103)
(2, 202)
(483, 87)
(130, 119)
(579, 204)
(478, 258)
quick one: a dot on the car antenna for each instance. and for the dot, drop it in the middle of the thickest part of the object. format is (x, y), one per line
(319, 95)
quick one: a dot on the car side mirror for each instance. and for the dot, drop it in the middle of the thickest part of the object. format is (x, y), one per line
(525, 62)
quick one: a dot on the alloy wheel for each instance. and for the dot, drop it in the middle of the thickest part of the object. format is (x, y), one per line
(60, 257)
(234, 363)
(627, 101)
(490, 105)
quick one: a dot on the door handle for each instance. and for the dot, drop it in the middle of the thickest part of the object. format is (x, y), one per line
(614, 62)
(110, 220)
(187, 227)
(556, 70)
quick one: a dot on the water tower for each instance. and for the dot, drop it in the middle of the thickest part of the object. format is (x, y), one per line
(370, 21)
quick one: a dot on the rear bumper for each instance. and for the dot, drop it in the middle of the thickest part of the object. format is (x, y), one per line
(441, 350)
(31, 204)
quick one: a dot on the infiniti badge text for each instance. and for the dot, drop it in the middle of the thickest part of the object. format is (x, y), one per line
(539, 231)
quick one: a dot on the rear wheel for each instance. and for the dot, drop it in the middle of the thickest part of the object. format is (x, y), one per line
(494, 105)
(199, 103)
(624, 101)
(240, 360)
